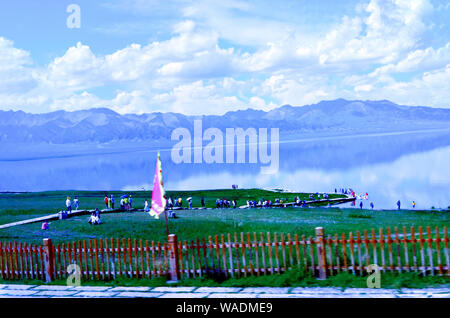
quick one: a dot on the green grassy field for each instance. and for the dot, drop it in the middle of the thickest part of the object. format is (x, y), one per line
(21, 206)
(193, 224)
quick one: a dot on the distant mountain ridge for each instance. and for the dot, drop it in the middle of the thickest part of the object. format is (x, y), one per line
(104, 125)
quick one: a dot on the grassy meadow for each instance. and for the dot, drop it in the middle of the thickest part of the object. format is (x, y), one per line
(193, 224)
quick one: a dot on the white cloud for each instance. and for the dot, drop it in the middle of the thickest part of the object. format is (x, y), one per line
(193, 71)
(16, 75)
(77, 69)
(430, 88)
(199, 98)
(418, 60)
(296, 90)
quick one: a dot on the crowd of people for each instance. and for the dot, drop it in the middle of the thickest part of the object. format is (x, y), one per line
(178, 203)
(225, 203)
(126, 204)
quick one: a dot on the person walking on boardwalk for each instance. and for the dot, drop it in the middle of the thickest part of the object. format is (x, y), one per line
(109, 203)
(112, 201)
(202, 202)
(75, 203)
(125, 203)
(414, 204)
(371, 205)
(398, 204)
(189, 200)
(146, 208)
(130, 202)
(69, 204)
(360, 205)
(106, 201)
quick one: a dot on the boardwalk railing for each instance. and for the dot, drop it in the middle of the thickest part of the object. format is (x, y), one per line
(232, 255)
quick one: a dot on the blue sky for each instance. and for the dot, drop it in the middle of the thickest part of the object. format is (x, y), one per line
(209, 57)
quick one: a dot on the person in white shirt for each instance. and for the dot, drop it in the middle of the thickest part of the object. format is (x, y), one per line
(69, 204)
(95, 217)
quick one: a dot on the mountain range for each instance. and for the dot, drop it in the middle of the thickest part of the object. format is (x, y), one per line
(102, 125)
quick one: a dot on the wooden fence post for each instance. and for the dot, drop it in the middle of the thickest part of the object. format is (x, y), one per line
(322, 262)
(173, 258)
(49, 260)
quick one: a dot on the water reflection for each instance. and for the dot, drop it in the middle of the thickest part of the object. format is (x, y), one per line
(389, 167)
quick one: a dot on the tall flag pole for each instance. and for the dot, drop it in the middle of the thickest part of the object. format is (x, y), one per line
(158, 194)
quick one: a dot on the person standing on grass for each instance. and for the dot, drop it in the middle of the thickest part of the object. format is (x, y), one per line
(106, 201)
(130, 200)
(202, 202)
(69, 204)
(109, 203)
(146, 208)
(414, 204)
(360, 205)
(371, 205)
(112, 201)
(398, 204)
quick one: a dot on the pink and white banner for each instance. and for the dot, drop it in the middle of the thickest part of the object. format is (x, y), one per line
(158, 194)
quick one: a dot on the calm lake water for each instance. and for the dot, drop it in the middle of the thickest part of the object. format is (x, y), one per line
(389, 167)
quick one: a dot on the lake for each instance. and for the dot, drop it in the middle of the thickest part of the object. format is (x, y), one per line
(389, 167)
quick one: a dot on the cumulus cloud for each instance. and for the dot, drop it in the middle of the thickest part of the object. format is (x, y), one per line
(203, 67)
(16, 75)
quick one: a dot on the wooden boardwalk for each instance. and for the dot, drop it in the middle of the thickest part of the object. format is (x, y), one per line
(311, 202)
(86, 212)
(56, 217)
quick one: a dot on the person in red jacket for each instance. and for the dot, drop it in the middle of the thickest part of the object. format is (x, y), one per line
(106, 201)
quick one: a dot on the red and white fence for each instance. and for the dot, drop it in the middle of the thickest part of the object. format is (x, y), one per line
(232, 255)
